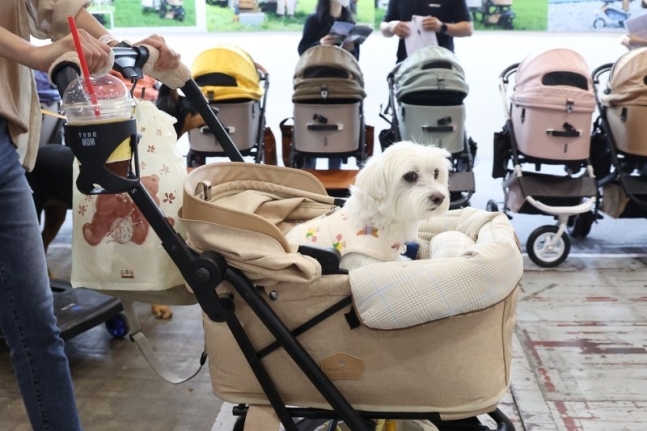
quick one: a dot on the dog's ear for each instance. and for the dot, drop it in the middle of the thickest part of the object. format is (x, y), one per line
(371, 180)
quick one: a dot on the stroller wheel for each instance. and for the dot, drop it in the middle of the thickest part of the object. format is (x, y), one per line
(545, 250)
(491, 206)
(581, 225)
(117, 326)
(599, 23)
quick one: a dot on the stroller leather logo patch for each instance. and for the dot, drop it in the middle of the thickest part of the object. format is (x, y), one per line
(342, 366)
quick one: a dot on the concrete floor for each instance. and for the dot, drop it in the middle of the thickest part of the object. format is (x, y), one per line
(579, 347)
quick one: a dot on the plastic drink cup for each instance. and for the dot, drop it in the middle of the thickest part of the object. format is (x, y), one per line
(114, 104)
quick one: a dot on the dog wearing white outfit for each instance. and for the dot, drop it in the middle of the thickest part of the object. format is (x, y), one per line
(393, 194)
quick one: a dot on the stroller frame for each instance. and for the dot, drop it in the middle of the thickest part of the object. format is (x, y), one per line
(462, 162)
(628, 182)
(258, 148)
(563, 214)
(203, 272)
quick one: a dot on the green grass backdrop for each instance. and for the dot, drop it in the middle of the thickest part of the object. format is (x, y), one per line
(221, 19)
(530, 15)
(130, 13)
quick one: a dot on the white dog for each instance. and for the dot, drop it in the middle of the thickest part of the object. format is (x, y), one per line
(393, 193)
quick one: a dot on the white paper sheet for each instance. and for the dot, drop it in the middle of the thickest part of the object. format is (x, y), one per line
(418, 38)
(637, 25)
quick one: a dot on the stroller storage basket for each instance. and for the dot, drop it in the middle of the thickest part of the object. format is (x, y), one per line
(552, 106)
(370, 364)
(554, 191)
(326, 128)
(241, 120)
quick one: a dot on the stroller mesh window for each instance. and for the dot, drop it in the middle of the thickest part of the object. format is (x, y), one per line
(324, 72)
(434, 98)
(571, 79)
(437, 65)
(216, 79)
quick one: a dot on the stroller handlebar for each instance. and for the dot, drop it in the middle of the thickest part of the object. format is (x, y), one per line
(133, 63)
(595, 75)
(505, 75)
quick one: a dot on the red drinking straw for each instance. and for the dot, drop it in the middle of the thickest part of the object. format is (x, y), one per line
(84, 65)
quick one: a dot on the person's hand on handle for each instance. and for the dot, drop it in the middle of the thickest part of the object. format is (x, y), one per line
(327, 40)
(96, 53)
(431, 23)
(168, 59)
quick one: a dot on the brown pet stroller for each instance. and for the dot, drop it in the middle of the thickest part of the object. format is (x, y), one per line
(285, 326)
(549, 127)
(328, 106)
(618, 146)
(236, 88)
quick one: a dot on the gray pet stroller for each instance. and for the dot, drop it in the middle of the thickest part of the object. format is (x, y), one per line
(548, 126)
(328, 106)
(426, 93)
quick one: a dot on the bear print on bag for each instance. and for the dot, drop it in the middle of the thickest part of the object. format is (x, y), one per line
(118, 218)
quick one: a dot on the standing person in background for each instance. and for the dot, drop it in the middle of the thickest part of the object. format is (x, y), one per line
(447, 18)
(316, 31)
(27, 319)
(353, 8)
(283, 5)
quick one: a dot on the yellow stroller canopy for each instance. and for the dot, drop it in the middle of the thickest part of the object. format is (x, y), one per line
(227, 72)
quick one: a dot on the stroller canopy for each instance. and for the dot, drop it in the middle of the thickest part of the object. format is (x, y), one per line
(628, 80)
(327, 72)
(227, 72)
(549, 78)
(432, 68)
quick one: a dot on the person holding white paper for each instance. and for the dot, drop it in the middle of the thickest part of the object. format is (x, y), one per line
(446, 18)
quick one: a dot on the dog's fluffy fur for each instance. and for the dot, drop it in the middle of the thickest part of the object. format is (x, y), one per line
(396, 191)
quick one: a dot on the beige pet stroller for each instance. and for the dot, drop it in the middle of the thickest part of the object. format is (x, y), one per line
(619, 145)
(285, 326)
(493, 12)
(236, 88)
(426, 95)
(328, 106)
(548, 125)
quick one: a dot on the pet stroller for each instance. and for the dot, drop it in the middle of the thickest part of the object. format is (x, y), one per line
(328, 103)
(426, 93)
(236, 88)
(165, 9)
(356, 358)
(548, 124)
(619, 149)
(493, 12)
(610, 15)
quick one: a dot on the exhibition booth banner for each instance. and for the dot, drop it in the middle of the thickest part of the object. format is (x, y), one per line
(290, 15)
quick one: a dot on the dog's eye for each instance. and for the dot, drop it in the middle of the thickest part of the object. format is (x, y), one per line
(411, 177)
(436, 173)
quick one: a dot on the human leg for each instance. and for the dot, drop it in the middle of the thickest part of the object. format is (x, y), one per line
(335, 163)
(27, 318)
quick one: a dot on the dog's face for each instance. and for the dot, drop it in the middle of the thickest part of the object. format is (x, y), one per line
(408, 182)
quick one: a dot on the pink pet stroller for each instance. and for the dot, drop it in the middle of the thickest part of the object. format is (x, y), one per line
(548, 124)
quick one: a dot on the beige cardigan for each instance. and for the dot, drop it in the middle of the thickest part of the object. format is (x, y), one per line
(19, 104)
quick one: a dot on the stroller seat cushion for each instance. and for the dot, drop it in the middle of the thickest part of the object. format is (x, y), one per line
(458, 271)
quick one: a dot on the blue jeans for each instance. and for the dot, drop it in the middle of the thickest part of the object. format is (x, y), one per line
(27, 318)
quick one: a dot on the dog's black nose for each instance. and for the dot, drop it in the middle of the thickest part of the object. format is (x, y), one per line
(437, 198)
